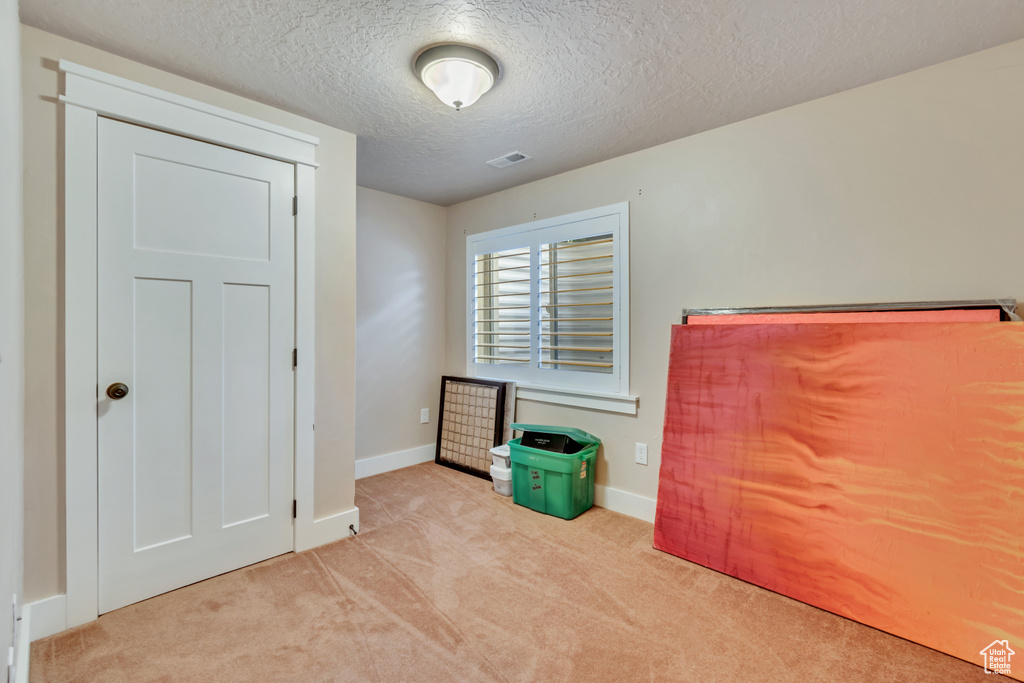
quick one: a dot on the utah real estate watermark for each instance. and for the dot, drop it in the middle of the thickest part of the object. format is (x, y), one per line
(997, 657)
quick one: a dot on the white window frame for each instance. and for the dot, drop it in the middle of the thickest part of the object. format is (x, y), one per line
(595, 391)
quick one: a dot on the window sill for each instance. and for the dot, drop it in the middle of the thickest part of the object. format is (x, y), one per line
(592, 400)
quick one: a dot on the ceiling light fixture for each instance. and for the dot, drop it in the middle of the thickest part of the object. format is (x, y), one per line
(458, 74)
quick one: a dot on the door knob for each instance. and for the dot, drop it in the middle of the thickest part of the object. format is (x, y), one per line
(117, 390)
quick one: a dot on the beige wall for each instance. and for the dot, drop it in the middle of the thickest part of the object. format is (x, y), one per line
(905, 190)
(44, 263)
(400, 321)
(12, 392)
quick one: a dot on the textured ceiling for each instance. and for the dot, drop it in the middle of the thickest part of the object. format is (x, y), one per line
(582, 80)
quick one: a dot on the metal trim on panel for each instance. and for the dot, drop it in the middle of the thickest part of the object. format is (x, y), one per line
(1008, 307)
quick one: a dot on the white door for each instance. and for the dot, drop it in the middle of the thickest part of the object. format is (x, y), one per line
(196, 317)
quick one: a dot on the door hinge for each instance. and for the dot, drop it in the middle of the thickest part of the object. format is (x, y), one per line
(295, 206)
(295, 509)
(295, 358)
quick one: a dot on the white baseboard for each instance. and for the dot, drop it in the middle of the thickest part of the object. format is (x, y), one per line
(624, 502)
(379, 464)
(330, 529)
(46, 617)
(21, 653)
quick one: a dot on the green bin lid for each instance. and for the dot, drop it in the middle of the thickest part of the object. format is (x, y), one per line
(579, 435)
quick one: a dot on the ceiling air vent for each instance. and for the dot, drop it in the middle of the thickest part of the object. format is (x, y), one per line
(508, 160)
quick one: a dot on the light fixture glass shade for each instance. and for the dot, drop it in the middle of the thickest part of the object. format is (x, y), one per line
(458, 74)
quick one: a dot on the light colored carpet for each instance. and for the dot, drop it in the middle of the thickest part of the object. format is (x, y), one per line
(450, 582)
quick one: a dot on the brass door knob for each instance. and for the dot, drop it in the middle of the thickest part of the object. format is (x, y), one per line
(117, 390)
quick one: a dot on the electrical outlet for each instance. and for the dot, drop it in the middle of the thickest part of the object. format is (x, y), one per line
(641, 453)
(424, 415)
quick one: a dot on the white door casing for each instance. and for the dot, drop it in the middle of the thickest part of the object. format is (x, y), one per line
(196, 317)
(90, 95)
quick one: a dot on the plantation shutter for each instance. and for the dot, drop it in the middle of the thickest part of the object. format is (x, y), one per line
(503, 300)
(551, 307)
(576, 312)
(549, 303)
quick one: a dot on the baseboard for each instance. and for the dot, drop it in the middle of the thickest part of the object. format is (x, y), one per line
(624, 502)
(48, 616)
(22, 650)
(330, 529)
(379, 464)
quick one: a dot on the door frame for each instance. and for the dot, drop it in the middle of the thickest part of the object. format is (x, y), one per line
(88, 95)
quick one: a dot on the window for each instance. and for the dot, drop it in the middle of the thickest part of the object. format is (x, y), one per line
(548, 303)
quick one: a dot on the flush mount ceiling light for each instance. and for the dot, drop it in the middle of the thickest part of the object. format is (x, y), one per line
(458, 74)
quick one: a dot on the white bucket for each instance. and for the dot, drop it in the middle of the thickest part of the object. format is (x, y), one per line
(502, 478)
(501, 456)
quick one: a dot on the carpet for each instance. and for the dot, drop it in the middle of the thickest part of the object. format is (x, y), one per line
(450, 582)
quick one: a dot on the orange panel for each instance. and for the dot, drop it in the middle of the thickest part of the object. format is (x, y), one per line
(873, 470)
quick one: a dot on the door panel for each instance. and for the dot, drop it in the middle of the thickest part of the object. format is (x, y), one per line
(196, 316)
(246, 454)
(162, 429)
(191, 198)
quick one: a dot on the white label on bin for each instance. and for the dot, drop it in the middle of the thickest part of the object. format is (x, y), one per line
(583, 470)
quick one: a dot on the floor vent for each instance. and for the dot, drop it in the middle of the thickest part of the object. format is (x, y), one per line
(509, 159)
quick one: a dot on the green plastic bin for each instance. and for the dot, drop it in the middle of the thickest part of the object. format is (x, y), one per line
(554, 483)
